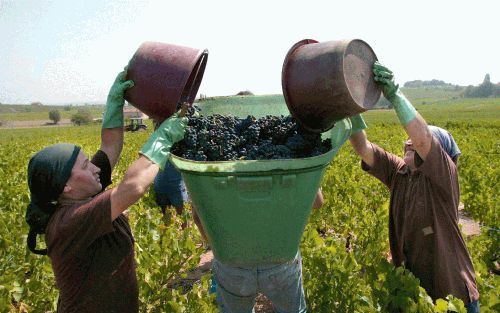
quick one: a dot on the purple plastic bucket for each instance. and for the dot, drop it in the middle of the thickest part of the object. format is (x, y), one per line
(164, 75)
(325, 82)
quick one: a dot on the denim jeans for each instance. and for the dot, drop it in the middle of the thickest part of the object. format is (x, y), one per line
(473, 307)
(237, 287)
(169, 187)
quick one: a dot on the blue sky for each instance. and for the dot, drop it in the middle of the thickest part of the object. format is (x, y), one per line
(70, 51)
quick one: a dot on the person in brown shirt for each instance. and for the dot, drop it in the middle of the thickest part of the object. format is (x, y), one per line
(423, 221)
(88, 238)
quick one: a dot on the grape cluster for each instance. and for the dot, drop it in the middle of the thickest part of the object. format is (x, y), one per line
(223, 138)
(193, 109)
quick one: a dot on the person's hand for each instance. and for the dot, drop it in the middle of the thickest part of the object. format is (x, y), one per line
(357, 124)
(172, 130)
(385, 79)
(113, 115)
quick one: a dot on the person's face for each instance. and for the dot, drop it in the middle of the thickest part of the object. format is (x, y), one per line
(84, 180)
(409, 154)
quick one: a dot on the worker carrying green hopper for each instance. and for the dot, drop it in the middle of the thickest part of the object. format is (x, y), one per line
(254, 213)
(238, 287)
(423, 224)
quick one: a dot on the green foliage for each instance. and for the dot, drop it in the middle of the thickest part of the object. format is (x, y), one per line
(485, 257)
(82, 117)
(344, 247)
(55, 116)
(238, 105)
(342, 287)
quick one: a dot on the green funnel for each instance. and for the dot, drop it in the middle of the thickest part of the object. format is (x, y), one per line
(254, 211)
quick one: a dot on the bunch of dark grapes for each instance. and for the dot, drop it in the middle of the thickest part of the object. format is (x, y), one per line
(193, 109)
(223, 138)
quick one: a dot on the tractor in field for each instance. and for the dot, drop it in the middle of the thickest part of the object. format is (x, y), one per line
(135, 124)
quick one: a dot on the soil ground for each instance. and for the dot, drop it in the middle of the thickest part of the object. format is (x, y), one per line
(35, 123)
(469, 226)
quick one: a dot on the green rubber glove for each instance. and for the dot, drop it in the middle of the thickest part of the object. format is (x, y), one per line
(358, 124)
(113, 114)
(158, 146)
(403, 107)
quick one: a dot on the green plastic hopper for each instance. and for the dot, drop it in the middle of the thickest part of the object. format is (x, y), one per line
(254, 211)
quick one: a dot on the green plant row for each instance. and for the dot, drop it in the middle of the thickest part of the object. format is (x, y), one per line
(344, 247)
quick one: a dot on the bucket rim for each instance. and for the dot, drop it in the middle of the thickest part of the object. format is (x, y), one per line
(348, 86)
(284, 88)
(195, 64)
(198, 69)
(294, 105)
(252, 166)
(200, 52)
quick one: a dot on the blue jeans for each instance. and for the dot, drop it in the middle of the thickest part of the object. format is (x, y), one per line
(169, 187)
(237, 287)
(473, 307)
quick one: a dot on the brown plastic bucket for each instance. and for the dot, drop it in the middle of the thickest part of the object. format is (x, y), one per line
(328, 81)
(164, 75)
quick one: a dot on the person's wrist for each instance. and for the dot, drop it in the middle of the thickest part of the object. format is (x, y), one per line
(405, 111)
(157, 150)
(357, 124)
(113, 116)
(390, 91)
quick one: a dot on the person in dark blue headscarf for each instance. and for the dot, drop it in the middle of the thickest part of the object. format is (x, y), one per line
(48, 172)
(87, 238)
(424, 234)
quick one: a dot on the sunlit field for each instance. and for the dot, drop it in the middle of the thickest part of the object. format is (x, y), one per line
(344, 246)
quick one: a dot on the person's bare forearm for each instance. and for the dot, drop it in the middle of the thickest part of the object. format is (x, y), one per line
(420, 135)
(363, 147)
(134, 185)
(112, 144)
(318, 200)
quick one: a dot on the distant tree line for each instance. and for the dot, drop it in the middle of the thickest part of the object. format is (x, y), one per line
(485, 90)
(434, 83)
(245, 93)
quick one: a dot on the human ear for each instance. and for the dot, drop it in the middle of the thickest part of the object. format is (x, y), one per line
(67, 189)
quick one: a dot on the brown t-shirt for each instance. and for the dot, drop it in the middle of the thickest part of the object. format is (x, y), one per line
(92, 256)
(423, 222)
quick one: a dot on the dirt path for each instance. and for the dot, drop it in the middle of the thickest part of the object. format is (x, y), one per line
(35, 123)
(469, 226)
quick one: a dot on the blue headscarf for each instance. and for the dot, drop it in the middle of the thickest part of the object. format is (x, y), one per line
(48, 172)
(446, 141)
